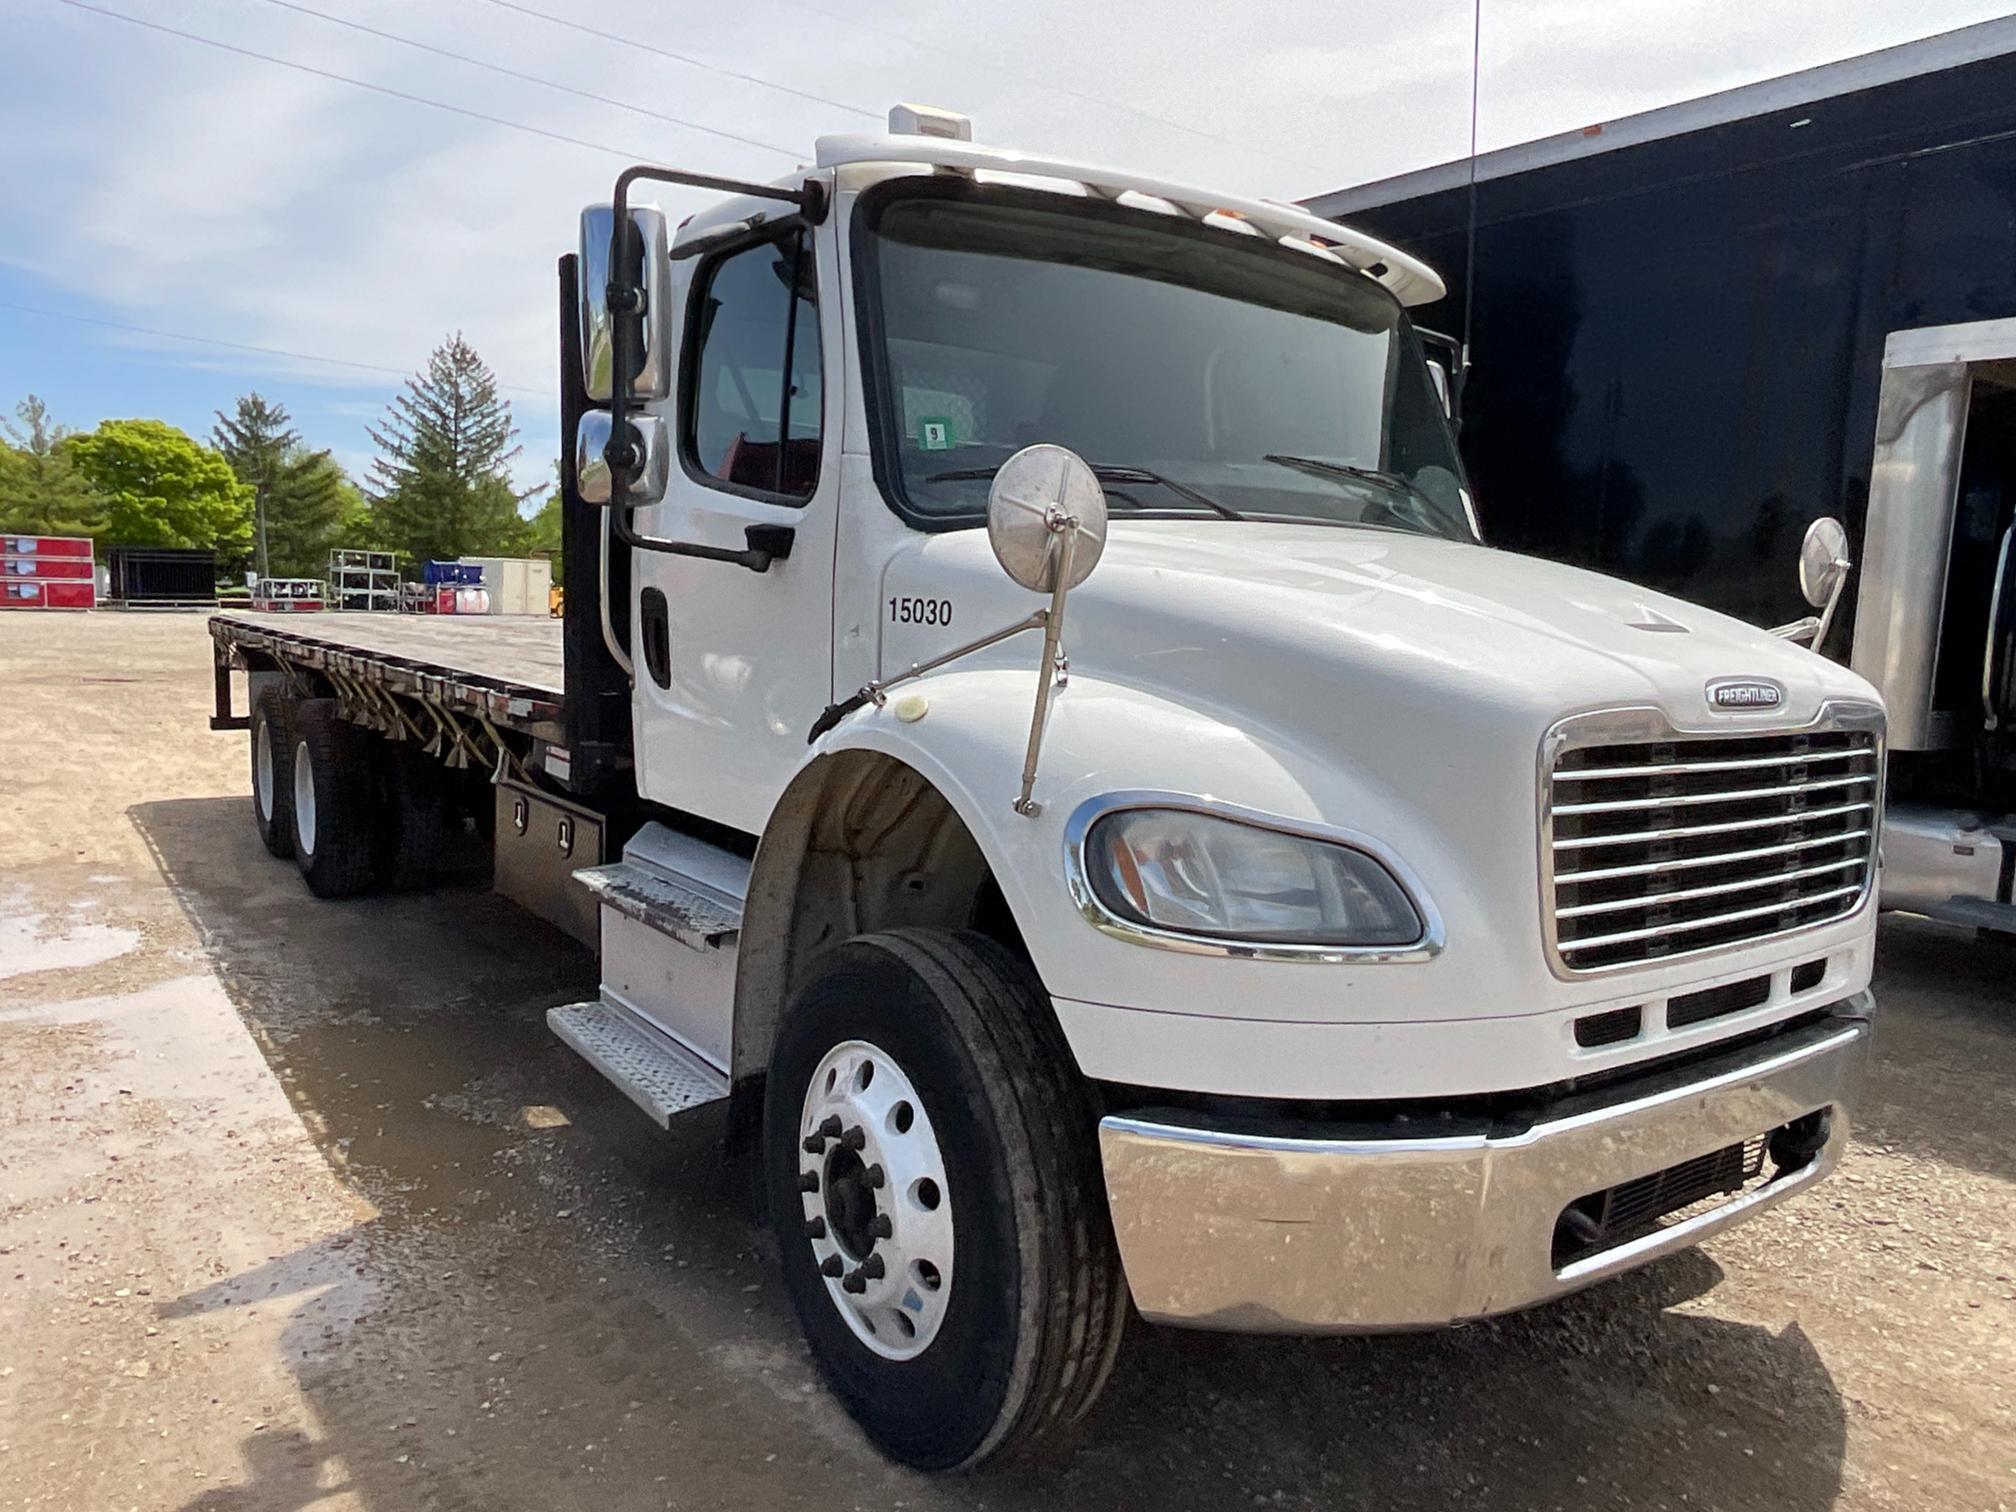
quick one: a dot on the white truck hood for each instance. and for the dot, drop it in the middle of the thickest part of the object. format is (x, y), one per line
(1288, 622)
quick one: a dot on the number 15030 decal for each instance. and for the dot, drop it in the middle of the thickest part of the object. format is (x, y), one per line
(920, 611)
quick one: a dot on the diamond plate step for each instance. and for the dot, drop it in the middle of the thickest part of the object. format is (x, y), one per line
(658, 1074)
(689, 911)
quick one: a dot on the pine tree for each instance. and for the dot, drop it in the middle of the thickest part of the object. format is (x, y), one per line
(441, 486)
(300, 497)
(41, 491)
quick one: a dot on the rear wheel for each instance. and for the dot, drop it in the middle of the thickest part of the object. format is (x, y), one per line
(272, 781)
(930, 1162)
(339, 828)
(413, 815)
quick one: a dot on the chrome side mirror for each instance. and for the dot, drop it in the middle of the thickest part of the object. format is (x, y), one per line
(1046, 519)
(1823, 561)
(1824, 565)
(641, 262)
(650, 471)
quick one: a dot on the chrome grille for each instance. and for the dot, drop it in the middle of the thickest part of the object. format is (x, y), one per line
(1664, 846)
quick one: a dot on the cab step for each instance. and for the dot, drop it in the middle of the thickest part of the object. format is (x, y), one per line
(653, 1070)
(675, 885)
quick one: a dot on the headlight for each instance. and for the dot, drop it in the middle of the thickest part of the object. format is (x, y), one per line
(1197, 874)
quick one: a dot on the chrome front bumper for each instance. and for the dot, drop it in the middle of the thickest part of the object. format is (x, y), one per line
(1263, 1234)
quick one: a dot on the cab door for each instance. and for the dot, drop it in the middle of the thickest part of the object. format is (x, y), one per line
(733, 666)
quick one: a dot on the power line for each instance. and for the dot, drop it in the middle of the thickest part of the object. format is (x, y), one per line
(513, 73)
(573, 25)
(238, 346)
(629, 154)
(994, 66)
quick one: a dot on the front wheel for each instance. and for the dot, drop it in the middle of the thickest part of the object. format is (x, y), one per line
(935, 1187)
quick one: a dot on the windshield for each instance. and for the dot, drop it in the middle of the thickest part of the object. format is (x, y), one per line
(1201, 373)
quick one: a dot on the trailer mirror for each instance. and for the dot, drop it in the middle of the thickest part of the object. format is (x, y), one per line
(1046, 518)
(637, 260)
(649, 463)
(1823, 561)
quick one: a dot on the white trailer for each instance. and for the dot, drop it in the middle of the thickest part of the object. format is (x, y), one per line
(1041, 737)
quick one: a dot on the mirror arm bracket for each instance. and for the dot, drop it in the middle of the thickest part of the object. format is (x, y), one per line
(1048, 667)
(874, 692)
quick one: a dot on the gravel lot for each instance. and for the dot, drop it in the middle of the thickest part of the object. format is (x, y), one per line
(300, 1205)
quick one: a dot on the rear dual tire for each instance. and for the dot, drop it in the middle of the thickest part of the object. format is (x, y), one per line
(1017, 1336)
(272, 777)
(340, 834)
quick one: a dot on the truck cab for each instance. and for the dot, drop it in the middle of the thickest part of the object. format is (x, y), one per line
(1115, 834)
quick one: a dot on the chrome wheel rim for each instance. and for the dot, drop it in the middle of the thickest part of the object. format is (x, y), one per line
(304, 799)
(877, 1207)
(262, 770)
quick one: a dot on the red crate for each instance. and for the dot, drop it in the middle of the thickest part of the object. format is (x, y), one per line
(45, 566)
(68, 595)
(48, 546)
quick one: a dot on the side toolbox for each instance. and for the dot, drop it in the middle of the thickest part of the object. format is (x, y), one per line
(541, 842)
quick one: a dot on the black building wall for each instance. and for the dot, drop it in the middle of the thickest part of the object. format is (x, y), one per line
(1678, 345)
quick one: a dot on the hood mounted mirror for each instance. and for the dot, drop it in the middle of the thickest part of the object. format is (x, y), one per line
(1034, 490)
(1046, 520)
(1823, 561)
(1824, 565)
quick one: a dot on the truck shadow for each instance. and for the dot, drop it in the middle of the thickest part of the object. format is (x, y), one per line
(554, 1304)
(1945, 1044)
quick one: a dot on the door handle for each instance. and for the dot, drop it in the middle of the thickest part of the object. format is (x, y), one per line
(654, 620)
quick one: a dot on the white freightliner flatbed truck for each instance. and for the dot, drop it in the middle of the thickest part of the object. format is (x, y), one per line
(1311, 921)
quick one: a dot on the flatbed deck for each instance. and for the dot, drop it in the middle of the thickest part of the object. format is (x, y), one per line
(507, 669)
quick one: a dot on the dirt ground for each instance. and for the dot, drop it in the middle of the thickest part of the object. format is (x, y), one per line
(301, 1205)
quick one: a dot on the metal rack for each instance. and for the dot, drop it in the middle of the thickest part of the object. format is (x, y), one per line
(366, 580)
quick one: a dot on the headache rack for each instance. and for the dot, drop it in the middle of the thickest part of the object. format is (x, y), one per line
(1657, 843)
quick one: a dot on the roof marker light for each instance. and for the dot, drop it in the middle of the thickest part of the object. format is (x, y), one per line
(930, 121)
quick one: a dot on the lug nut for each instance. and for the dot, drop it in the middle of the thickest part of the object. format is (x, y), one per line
(808, 1181)
(854, 1139)
(830, 1126)
(813, 1144)
(873, 1268)
(815, 1228)
(876, 1177)
(832, 1265)
(854, 1284)
(880, 1226)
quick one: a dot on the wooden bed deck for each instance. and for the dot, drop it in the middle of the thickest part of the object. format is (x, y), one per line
(508, 669)
(515, 650)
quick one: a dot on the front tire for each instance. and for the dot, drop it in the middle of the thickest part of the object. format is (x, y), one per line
(967, 1305)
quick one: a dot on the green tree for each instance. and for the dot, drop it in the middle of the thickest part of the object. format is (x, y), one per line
(300, 498)
(441, 486)
(163, 489)
(41, 491)
(543, 530)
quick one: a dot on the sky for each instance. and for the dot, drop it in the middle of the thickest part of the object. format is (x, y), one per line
(193, 191)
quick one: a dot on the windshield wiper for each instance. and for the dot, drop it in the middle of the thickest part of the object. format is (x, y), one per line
(1391, 482)
(1106, 474)
(1330, 469)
